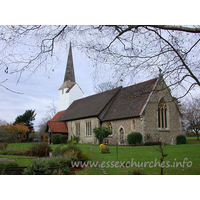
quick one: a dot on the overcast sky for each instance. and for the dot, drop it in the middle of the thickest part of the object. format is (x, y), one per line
(41, 89)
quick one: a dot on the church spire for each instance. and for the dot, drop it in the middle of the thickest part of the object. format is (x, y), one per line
(69, 90)
(69, 73)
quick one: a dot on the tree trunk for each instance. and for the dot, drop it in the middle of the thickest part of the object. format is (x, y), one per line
(100, 141)
(161, 168)
(197, 136)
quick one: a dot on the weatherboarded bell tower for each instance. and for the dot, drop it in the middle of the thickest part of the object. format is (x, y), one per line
(69, 90)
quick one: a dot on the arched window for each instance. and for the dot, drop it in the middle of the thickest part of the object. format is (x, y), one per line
(110, 127)
(162, 114)
(133, 124)
(122, 136)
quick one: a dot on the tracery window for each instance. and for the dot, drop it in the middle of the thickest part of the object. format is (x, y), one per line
(122, 136)
(133, 124)
(162, 114)
(88, 130)
(78, 129)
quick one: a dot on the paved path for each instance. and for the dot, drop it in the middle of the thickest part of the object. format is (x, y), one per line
(6, 160)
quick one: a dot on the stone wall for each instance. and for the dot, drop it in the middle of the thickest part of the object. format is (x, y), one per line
(146, 123)
(83, 138)
(150, 117)
(129, 125)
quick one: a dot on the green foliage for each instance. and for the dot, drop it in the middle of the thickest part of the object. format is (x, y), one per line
(74, 142)
(69, 150)
(181, 139)
(60, 159)
(37, 167)
(56, 138)
(63, 139)
(13, 152)
(3, 146)
(27, 118)
(76, 138)
(39, 150)
(64, 170)
(73, 147)
(134, 138)
(101, 133)
(8, 164)
(104, 149)
(45, 141)
(85, 157)
(30, 139)
(59, 150)
(73, 150)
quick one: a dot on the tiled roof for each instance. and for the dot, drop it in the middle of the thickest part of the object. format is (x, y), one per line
(57, 115)
(129, 101)
(113, 104)
(57, 127)
(89, 106)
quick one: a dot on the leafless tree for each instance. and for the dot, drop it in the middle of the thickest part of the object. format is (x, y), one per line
(191, 115)
(106, 86)
(125, 50)
(50, 113)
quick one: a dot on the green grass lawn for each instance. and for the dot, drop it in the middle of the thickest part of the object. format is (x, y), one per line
(22, 161)
(18, 146)
(192, 138)
(143, 154)
(137, 154)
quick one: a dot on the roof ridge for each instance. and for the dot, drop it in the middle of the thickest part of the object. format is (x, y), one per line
(100, 93)
(141, 82)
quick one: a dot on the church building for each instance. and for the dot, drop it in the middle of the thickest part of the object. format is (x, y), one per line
(146, 107)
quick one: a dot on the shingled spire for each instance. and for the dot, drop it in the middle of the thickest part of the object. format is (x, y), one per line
(69, 90)
(69, 73)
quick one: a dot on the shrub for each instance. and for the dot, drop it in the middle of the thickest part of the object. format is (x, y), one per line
(104, 149)
(59, 150)
(101, 145)
(52, 161)
(85, 157)
(37, 167)
(39, 150)
(181, 139)
(101, 133)
(69, 150)
(9, 164)
(56, 138)
(3, 146)
(134, 138)
(76, 138)
(73, 147)
(13, 152)
(30, 139)
(74, 142)
(72, 150)
(64, 170)
(45, 141)
(63, 139)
